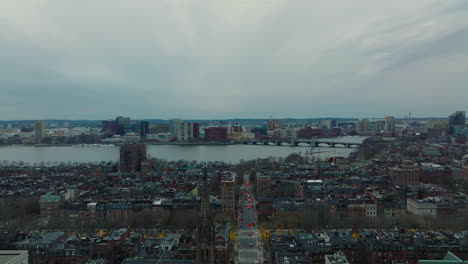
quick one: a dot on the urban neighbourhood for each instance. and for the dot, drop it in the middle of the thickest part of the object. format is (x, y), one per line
(400, 197)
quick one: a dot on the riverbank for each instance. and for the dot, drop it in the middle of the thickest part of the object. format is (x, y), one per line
(51, 145)
(36, 145)
(193, 143)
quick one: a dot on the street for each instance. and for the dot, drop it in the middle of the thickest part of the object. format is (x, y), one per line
(249, 238)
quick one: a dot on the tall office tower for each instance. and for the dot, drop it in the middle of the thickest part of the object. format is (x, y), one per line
(379, 125)
(39, 130)
(189, 131)
(389, 123)
(159, 128)
(144, 128)
(196, 130)
(328, 123)
(362, 125)
(228, 198)
(121, 123)
(175, 128)
(186, 132)
(456, 120)
(109, 127)
(205, 230)
(131, 157)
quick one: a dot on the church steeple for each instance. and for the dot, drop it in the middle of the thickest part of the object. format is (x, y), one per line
(205, 201)
(206, 233)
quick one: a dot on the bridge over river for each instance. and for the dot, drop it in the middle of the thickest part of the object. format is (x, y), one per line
(315, 142)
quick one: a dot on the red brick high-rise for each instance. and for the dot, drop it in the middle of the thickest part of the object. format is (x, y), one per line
(196, 130)
(131, 157)
(216, 134)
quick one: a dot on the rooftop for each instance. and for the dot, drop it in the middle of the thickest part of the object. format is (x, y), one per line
(12, 256)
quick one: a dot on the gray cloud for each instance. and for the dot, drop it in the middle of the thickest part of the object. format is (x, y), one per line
(223, 59)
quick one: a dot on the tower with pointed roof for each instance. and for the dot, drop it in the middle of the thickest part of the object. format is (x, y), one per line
(206, 232)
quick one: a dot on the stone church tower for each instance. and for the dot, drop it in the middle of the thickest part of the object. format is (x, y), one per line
(206, 231)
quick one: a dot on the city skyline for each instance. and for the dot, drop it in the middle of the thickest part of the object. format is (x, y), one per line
(405, 117)
(63, 60)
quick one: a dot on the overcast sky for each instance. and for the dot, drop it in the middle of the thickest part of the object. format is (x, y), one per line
(232, 59)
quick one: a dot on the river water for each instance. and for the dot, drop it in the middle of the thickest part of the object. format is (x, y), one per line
(226, 153)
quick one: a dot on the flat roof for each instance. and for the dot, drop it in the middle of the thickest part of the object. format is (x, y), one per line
(7, 256)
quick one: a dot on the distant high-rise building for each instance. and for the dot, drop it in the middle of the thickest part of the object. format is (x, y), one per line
(456, 120)
(186, 132)
(175, 128)
(109, 127)
(196, 130)
(121, 123)
(159, 128)
(131, 157)
(389, 123)
(328, 123)
(144, 128)
(216, 133)
(362, 125)
(122, 120)
(228, 198)
(379, 125)
(39, 129)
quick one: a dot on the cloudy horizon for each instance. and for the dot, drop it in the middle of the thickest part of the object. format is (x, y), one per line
(232, 59)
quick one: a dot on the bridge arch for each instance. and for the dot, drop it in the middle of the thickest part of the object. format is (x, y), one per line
(340, 145)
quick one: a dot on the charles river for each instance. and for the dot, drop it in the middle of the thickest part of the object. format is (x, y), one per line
(226, 153)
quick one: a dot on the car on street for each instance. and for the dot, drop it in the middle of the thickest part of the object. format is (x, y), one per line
(250, 245)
